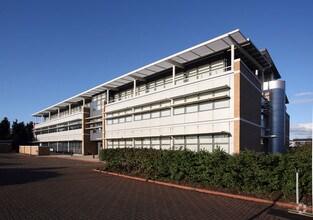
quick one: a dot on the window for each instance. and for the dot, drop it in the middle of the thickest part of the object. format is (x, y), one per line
(138, 143)
(223, 147)
(122, 143)
(221, 139)
(109, 121)
(146, 116)
(179, 101)
(221, 142)
(192, 98)
(115, 143)
(155, 143)
(166, 103)
(205, 143)
(121, 120)
(129, 143)
(115, 121)
(138, 109)
(191, 108)
(138, 117)
(205, 139)
(179, 110)
(156, 105)
(166, 112)
(205, 106)
(165, 143)
(146, 142)
(206, 147)
(128, 118)
(221, 104)
(191, 143)
(179, 143)
(155, 114)
(110, 144)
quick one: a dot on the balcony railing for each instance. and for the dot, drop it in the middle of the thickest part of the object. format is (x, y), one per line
(168, 82)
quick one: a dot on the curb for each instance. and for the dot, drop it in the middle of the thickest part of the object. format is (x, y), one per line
(246, 198)
(77, 158)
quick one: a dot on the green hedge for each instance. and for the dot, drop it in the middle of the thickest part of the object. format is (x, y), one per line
(246, 172)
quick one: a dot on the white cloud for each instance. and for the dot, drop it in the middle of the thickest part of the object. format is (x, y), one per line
(302, 97)
(301, 130)
(301, 101)
(304, 94)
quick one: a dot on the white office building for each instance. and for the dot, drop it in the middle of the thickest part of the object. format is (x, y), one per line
(223, 93)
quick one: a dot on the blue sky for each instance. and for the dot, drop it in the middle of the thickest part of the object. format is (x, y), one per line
(51, 50)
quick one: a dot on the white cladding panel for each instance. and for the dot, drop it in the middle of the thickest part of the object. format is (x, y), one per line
(199, 122)
(72, 135)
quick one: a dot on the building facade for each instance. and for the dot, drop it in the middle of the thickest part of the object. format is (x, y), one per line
(223, 93)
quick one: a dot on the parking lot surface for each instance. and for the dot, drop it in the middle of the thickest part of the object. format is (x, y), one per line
(33, 187)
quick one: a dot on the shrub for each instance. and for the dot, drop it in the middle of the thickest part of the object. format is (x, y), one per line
(248, 171)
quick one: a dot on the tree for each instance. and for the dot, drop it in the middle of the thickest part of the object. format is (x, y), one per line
(29, 131)
(21, 134)
(5, 131)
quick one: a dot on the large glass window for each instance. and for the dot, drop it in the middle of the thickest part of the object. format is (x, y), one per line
(166, 143)
(191, 143)
(155, 143)
(146, 142)
(179, 143)
(138, 143)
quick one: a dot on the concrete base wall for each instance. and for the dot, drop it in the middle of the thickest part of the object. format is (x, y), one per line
(34, 150)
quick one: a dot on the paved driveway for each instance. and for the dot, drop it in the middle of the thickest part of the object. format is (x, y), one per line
(56, 188)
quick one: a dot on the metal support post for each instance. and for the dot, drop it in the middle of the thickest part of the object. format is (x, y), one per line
(232, 56)
(135, 87)
(174, 74)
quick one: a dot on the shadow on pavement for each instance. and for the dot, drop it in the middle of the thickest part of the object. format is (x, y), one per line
(14, 176)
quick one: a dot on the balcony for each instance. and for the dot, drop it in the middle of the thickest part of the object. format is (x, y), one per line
(201, 83)
(72, 117)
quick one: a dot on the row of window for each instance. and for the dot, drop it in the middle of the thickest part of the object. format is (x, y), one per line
(72, 125)
(64, 147)
(187, 99)
(138, 117)
(193, 142)
(204, 106)
(197, 73)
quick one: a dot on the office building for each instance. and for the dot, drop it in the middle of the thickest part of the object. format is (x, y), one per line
(224, 93)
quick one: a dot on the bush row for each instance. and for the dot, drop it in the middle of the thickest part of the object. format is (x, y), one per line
(247, 172)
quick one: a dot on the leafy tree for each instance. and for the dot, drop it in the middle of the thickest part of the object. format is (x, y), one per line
(5, 131)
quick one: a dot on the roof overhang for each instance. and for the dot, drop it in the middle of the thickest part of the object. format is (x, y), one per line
(212, 46)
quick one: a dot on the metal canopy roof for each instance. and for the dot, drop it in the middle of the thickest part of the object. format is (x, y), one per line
(212, 46)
